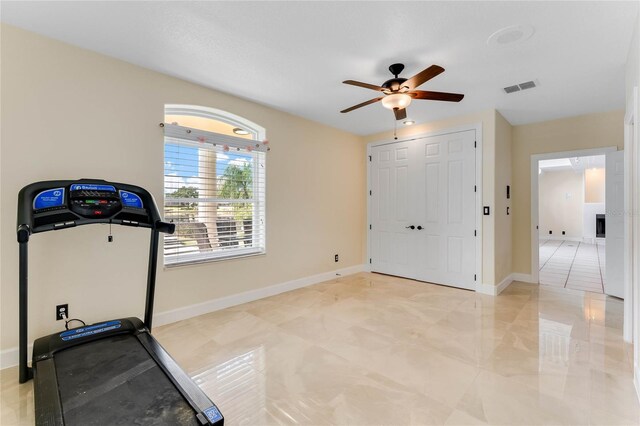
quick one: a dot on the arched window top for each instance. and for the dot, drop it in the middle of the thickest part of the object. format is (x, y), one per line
(213, 120)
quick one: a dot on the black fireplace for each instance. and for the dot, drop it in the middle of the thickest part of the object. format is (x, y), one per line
(600, 226)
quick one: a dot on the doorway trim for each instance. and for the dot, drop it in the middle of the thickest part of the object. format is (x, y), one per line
(535, 159)
(479, 217)
(631, 233)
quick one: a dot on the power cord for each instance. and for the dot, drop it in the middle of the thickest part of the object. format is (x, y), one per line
(67, 321)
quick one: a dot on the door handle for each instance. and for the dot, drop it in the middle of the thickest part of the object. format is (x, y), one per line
(419, 227)
(410, 227)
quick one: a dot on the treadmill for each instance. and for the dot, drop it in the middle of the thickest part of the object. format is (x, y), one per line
(112, 372)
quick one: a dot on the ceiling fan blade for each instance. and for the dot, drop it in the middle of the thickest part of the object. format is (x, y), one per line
(436, 96)
(365, 85)
(370, 101)
(422, 76)
(400, 114)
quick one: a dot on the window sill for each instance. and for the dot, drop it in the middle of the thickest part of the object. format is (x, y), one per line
(201, 259)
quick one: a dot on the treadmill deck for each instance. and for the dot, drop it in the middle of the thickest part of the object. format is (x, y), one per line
(131, 388)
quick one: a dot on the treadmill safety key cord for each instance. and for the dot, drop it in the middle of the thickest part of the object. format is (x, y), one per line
(110, 237)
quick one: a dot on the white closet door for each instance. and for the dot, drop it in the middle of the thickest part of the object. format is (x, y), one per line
(432, 189)
(393, 246)
(446, 209)
(614, 224)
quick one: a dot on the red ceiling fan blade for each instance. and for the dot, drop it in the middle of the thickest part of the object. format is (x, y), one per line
(365, 85)
(436, 96)
(370, 101)
(422, 76)
(400, 114)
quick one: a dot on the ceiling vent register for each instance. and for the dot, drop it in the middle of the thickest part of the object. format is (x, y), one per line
(518, 87)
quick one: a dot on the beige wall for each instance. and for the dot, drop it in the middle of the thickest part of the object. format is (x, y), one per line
(69, 113)
(488, 120)
(567, 134)
(503, 222)
(560, 203)
(594, 183)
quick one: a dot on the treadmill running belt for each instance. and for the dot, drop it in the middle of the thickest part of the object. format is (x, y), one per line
(114, 381)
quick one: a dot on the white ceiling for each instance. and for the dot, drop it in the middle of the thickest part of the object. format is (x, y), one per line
(293, 56)
(577, 164)
(555, 164)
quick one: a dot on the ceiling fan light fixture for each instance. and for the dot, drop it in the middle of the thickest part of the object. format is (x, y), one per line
(396, 101)
(408, 122)
(398, 92)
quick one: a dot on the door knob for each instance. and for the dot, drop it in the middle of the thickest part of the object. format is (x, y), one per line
(410, 227)
(419, 227)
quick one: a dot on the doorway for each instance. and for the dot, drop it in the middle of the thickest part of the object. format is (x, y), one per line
(576, 201)
(572, 222)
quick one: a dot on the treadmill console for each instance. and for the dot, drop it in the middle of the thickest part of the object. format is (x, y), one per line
(72, 203)
(94, 200)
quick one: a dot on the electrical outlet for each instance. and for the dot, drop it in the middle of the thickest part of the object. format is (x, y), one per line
(60, 310)
(336, 258)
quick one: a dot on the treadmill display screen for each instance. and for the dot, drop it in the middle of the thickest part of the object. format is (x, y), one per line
(97, 200)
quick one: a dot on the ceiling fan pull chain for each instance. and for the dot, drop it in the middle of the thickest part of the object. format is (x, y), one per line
(395, 130)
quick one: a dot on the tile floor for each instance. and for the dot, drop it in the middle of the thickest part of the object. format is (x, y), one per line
(370, 349)
(574, 265)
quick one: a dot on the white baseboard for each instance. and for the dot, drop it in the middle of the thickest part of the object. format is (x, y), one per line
(9, 357)
(524, 278)
(504, 284)
(494, 290)
(213, 305)
(562, 238)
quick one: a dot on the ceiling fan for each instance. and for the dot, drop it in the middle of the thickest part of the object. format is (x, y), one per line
(399, 92)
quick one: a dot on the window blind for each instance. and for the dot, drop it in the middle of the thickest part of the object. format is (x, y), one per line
(214, 191)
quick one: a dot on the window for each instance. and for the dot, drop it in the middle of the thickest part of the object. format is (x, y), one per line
(214, 185)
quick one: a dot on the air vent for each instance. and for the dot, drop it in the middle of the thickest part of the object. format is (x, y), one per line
(512, 89)
(527, 85)
(522, 86)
